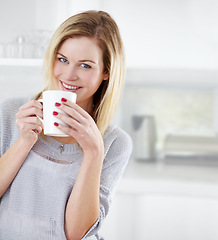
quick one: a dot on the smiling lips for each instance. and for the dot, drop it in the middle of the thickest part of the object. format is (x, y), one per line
(70, 87)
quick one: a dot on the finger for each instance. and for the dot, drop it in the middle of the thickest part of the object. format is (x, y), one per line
(33, 120)
(70, 131)
(29, 120)
(72, 113)
(75, 106)
(72, 122)
(31, 111)
(32, 103)
(26, 127)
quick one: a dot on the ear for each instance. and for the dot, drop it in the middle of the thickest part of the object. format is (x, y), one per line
(106, 76)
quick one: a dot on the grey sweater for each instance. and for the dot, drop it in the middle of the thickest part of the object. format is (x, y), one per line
(33, 206)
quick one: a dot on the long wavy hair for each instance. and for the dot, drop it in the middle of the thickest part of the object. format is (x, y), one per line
(99, 25)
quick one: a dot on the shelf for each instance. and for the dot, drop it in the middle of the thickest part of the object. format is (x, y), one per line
(19, 62)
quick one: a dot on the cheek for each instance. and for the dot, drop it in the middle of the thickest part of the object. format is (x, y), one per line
(92, 78)
(56, 72)
(85, 77)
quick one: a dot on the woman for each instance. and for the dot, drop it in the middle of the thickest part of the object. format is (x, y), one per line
(61, 187)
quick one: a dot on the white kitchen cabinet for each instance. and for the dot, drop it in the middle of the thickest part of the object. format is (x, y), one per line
(172, 203)
(168, 34)
(169, 217)
(165, 43)
(165, 217)
(157, 34)
(120, 219)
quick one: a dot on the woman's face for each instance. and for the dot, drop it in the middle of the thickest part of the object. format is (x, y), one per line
(79, 68)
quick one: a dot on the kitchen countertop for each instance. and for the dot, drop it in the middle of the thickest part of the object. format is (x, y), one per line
(168, 177)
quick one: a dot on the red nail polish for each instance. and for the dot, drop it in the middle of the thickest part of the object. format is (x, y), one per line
(55, 113)
(63, 99)
(57, 104)
(56, 124)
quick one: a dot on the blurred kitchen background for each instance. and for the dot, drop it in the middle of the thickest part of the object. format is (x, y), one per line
(169, 190)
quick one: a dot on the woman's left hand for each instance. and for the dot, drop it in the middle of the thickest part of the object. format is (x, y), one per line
(82, 127)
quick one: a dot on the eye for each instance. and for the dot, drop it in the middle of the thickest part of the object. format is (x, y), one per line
(63, 60)
(85, 65)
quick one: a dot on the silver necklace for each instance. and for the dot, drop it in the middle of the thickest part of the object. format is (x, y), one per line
(61, 148)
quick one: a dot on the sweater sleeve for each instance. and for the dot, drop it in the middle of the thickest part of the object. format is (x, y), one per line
(1, 130)
(117, 154)
(8, 129)
(5, 122)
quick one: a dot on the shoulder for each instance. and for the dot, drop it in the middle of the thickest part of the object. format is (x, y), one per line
(115, 133)
(10, 105)
(8, 109)
(14, 101)
(117, 140)
(118, 149)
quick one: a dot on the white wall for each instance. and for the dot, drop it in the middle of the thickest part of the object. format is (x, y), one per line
(168, 33)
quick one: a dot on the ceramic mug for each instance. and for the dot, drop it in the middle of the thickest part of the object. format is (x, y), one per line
(49, 98)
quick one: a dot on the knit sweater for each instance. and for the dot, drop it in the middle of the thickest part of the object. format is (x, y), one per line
(33, 206)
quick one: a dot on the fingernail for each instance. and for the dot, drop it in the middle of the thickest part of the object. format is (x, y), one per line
(56, 124)
(55, 113)
(57, 104)
(63, 99)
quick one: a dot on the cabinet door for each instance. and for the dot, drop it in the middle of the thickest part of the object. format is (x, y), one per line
(161, 217)
(170, 217)
(118, 225)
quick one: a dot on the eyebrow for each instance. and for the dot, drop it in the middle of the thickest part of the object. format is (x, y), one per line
(87, 61)
(82, 60)
(61, 54)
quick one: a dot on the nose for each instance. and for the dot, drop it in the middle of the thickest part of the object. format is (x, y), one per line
(70, 73)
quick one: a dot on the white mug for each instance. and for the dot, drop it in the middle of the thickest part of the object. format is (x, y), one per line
(49, 98)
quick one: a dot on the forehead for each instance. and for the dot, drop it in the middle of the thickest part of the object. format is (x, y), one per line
(85, 46)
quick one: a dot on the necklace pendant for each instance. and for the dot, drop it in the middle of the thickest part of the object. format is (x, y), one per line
(61, 148)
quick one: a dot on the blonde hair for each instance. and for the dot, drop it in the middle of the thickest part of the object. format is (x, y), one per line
(99, 25)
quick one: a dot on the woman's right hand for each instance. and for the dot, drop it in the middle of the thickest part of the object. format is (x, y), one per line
(27, 121)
